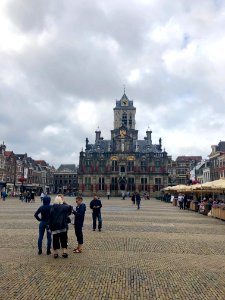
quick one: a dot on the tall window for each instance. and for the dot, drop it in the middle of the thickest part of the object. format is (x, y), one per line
(158, 183)
(144, 184)
(87, 183)
(101, 184)
(130, 121)
(124, 119)
(102, 165)
(114, 165)
(114, 184)
(122, 169)
(130, 166)
(131, 184)
(143, 165)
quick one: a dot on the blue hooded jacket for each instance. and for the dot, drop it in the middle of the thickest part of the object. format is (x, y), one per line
(44, 210)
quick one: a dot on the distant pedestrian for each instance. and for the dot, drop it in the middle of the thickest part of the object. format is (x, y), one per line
(185, 201)
(108, 194)
(79, 213)
(42, 196)
(181, 201)
(96, 206)
(138, 200)
(4, 195)
(32, 196)
(58, 225)
(133, 196)
(44, 211)
(123, 195)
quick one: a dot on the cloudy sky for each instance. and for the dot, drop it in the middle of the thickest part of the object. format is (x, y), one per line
(64, 63)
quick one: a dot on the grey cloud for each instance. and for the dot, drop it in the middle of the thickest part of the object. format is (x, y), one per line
(80, 52)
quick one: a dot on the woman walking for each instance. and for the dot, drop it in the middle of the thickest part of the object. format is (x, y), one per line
(58, 225)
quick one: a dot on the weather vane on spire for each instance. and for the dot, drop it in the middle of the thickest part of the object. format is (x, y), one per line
(124, 88)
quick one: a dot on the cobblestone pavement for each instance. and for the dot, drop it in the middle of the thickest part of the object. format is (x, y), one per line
(158, 252)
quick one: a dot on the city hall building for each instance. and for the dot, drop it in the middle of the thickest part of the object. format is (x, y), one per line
(124, 163)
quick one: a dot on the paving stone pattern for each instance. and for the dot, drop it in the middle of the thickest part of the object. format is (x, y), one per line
(159, 252)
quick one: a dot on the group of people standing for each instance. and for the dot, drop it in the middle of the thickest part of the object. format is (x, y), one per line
(182, 200)
(54, 220)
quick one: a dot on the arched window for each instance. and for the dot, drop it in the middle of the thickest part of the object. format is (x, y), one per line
(124, 119)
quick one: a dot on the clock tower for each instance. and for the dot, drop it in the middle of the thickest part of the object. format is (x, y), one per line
(124, 113)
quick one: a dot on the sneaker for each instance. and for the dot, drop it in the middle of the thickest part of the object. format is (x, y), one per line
(48, 251)
(99, 229)
(39, 251)
(65, 255)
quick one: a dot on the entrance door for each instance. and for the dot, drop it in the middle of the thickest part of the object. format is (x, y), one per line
(122, 186)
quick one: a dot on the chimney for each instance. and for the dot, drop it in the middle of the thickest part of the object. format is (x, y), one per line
(149, 135)
(98, 135)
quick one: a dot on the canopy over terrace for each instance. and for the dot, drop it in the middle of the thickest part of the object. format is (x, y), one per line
(211, 186)
(180, 188)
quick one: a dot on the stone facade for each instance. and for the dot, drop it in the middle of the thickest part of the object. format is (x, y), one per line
(124, 163)
(65, 179)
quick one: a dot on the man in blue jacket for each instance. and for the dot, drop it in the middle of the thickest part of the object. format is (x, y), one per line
(96, 206)
(44, 211)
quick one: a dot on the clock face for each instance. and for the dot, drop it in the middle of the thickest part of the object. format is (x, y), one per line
(124, 102)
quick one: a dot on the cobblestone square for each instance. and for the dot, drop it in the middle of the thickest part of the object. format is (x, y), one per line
(158, 252)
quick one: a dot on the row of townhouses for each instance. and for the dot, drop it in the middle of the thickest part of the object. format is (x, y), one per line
(193, 169)
(19, 172)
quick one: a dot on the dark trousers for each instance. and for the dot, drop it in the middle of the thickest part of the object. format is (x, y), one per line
(79, 234)
(60, 239)
(96, 216)
(181, 203)
(42, 228)
(138, 204)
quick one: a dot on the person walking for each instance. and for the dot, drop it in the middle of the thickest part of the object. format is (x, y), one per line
(181, 201)
(58, 225)
(108, 194)
(79, 213)
(185, 197)
(133, 198)
(138, 200)
(96, 206)
(44, 211)
(32, 197)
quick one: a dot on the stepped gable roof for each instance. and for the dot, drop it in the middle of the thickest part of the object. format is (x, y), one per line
(41, 162)
(21, 156)
(67, 168)
(188, 158)
(8, 153)
(221, 146)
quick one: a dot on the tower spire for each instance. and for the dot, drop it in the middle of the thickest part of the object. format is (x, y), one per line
(124, 88)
